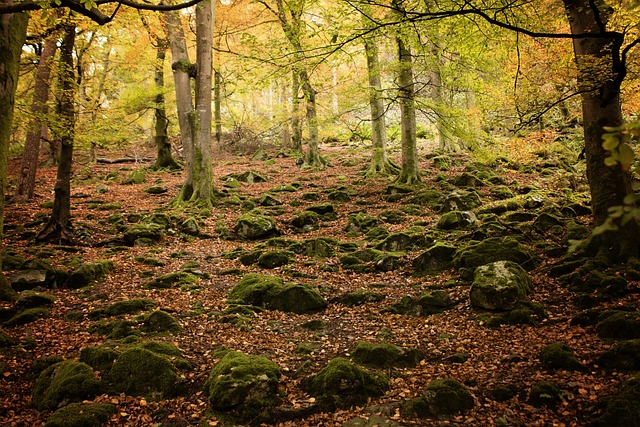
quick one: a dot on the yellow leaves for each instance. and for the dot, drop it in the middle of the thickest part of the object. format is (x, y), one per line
(616, 142)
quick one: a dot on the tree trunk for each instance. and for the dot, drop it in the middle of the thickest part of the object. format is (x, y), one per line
(600, 73)
(406, 96)
(296, 125)
(164, 158)
(286, 129)
(13, 32)
(380, 164)
(97, 100)
(312, 159)
(58, 229)
(39, 109)
(217, 113)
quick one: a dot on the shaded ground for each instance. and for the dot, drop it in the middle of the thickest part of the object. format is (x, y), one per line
(508, 355)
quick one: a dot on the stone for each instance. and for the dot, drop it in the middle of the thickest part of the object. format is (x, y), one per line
(624, 356)
(255, 226)
(31, 299)
(243, 383)
(172, 280)
(387, 355)
(322, 208)
(467, 179)
(461, 201)
(64, 382)
(621, 409)
(156, 189)
(89, 272)
(315, 248)
(28, 279)
(545, 393)
(499, 286)
(7, 293)
(361, 222)
(342, 384)
(339, 196)
(620, 325)
(559, 355)
(99, 357)
(120, 308)
(441, 397)
(161, 322)
(190, 226)
(27, 316)
(81, 415)
(437, 258)
(456, 220)
(427, 304)
(306, 221)
(400, 242)
(134, 233)
(251, 177)
(268, 200)
(273, 259)
(491, 250)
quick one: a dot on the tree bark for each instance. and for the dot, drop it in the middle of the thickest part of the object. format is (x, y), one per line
(58, 228)
(13, 32)
(217, 101)
(39, 109)
(600, 73)
(409, 174)
(312, 159)
(164, 157)
(380, 164)
(296, 125)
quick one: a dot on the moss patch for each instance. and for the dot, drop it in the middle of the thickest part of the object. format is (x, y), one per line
(441, 397)
(66, 381)
(385, 355)
(81, 415)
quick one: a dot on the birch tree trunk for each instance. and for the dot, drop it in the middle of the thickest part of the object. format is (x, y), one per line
(406, 96)
(164, 158)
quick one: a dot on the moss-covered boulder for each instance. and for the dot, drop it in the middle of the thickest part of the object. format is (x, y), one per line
(6, 340)
(172, 280)
(99, 357)
(31, 278)
(89, 272)
(342, 384)
(322, 209)
(26, 316)
(437, 258)
(456, 220)
(244, 384)
(62, 383)
(7, 293)
(255, 226)
(400, 242)
(315, 248)
(160, 322)
(306, 221)
(545, 393)
(141, 372)
(466, 179)
(143, 231)
(275, 258)
(559, 355)
(461, 201)
(361, 222)
(81, 415)
(441, 398)
(620, 325)
(621, 409)
(386, 355)
(360, 297)
(499, 286)
(624, 356)
(491, 250)
(268, 200)
(250, 177)
(33, 299)
(432, 302)
(272, 293)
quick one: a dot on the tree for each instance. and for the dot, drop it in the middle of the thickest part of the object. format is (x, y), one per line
(39, 109)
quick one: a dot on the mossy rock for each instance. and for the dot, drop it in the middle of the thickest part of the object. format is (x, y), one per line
(99, 357)
(172, 280)
(361, 222)
(545, 393)
(64, 382)
(456, 220)
(442, 162)
(141, 372)
(491, 250)
(190, 226)
(620, 325)
(11, 260)
(342, 384)
(273, 259)
(501, 192)
(371, 420)
(137, 176)
(81, 415)
(120, 308)
(426, 198)
(306, 221)
(360, 297)
(6, 340)
(268, 200)
(467, 179)
(517, 217)
(7, 293)
(31, 278)
(32, 299)
(255, 226)
(89, 272)
(160, 322)
(251, 177)
(322, 209)
(243, 383)
(461, 201)
(315, 248)
(386, 355)
(624, 355)
(27, 316)
(391, 216)
(559, 355)
(339, 196)
(441, 398)
(144, 230)
(156, 189)
(499, 286)
(252, 288)
(400, 242)
(427, 304)
(377, 233)
(434, 260)
(621, 409)
(116, 329)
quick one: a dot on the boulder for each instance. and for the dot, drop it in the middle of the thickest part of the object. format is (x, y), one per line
(28, 279)
(342, 384)
(373, 420)
(268, 200)
(273, 259)
(255, 226)
(361, 222)
(32, 299)
(441, 397)
(456, 220)
(386, 355)
(89, 272)
(467, 179)
(619, 325)
(172, 280)
(144, 231)
(491, 250)
(621, 408)
(81, 415)
(624, 356)
(250, 177)
(7, 293)
(435, 259)
(461, 201)
(559, 355)
(99, 357)
(26, 316)
(315, 248)
(62, 383)
(243, 383)
(545, 393)
(499, 286)
(400, 242)
(427, 304)
(161, 322)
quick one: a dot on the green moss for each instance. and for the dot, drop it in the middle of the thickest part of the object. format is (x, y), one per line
(99, 357)
(545, 393)
(499, 285)
(624, 355)
(244, 383)
(66, 381)
(621, 409)
(252, 288)
(32, 299)
(273, 259)
(491, 250)
(123, 307)
(27, 316)
(620, 325)
(81, 415)
(161, 321)
(89, 272)
(172, 280)
(559, 355)
(441, 397)
(385, 355)
(341, 384)
(255, 226)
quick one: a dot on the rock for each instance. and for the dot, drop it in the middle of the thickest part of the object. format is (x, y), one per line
(315, 248)
(273, 259)
(89, 272)
(499, 286)
(62, 383)
(268, 200)
(559, 355)
(400, 242)
(137, 232)
(260, 155)
(322, 209)
(391, 216)
(255, 226)
(427, 304)
(426, 198)
(161, 322)
(28, 279)
(360, 297)
(501, 192)
(119, 308)
(251, 177)
(156, 189)
(190, 226)
(621, 409)
(99, 357)
(544, 222)
(306, 221)
(624, 355)
(141, 372)
(456, 219)
(461, 201)
(545, 393)
(341, 384)
(442, 162)
(467, 179)
(385, 355)
(243, 383)
(27, 316)
(81, 415)
(437, 258)
(32, 299)
(172, 280)
(520, 217)
(339, 196)
(6, 340)
(7, 293)
(620, 325)
(361, 222)
(441, 397)
(491, 250)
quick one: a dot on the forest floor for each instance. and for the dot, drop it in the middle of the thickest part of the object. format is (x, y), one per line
(507, 355)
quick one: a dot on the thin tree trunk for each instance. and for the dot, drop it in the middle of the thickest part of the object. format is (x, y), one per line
(406, 96)
(217, 113)
(39, 109)
(296, 125)
(13, 32)
(164, 157)
(286, 129)
(58, 229)
(380, 163)
(97, 100)
(600, 73)
(312, 159)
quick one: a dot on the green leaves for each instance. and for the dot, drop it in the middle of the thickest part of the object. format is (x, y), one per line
(616, 141)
